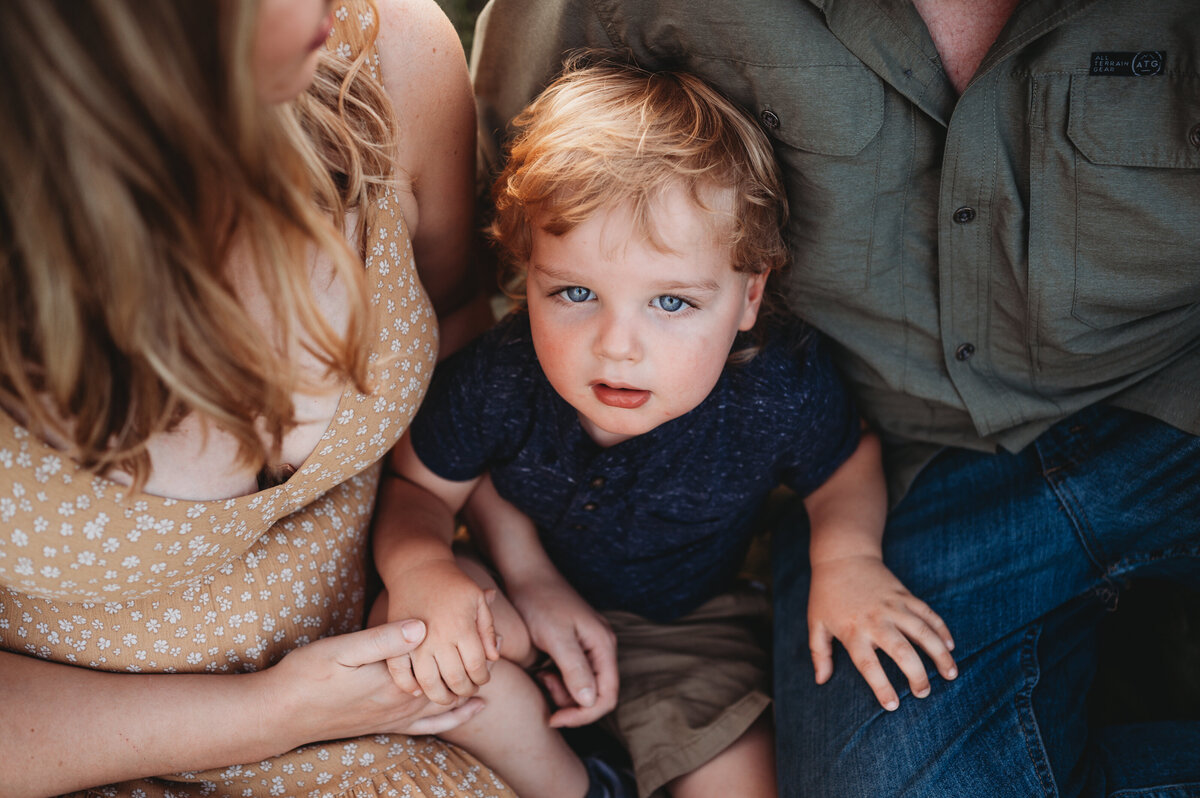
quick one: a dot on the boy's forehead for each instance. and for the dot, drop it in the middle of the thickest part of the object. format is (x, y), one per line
(669, 220)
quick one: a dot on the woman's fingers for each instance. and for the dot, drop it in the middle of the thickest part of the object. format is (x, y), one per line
(379, 643)
(445, 721)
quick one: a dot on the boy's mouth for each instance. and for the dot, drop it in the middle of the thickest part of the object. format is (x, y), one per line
(624, 398)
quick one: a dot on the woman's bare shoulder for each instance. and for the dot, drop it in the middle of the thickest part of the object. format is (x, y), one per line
(420, 54)
(424, 70)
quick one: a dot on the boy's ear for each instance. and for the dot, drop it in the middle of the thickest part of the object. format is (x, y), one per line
(756, 285)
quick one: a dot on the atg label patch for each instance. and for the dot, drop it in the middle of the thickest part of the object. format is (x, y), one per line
(1140, 64)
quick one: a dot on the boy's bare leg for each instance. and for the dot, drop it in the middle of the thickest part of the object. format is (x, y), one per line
(511, 735)
(746, 768)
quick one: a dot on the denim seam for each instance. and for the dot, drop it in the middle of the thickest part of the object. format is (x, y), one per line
(1184, 790)
(1131, 563)
(1024, 705)
(1075, 514)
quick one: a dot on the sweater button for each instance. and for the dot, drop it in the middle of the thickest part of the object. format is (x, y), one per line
(769, 118)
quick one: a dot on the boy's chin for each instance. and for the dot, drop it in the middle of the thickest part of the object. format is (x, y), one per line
(607, 433)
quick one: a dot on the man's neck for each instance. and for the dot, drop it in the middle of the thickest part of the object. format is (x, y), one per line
(963, 31)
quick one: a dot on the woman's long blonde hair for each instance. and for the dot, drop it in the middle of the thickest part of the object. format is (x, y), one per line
(133, 150)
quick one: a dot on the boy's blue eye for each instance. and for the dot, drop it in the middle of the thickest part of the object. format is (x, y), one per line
(670, 304)
(577, 293)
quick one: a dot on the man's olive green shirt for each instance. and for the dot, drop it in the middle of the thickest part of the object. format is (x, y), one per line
(988, 263)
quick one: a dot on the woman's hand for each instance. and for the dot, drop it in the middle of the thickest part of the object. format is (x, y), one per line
(578, 640)
(860, 602)
(340, 687)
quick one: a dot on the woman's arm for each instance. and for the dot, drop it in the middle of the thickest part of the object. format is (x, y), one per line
(425, 73)
(65, 728)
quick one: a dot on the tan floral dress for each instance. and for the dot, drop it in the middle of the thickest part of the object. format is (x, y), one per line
(94, 577)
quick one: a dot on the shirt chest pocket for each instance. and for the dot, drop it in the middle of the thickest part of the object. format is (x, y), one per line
(823, 120)
(1115, 217)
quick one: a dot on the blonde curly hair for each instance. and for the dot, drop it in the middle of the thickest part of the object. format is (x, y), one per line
(607, 132)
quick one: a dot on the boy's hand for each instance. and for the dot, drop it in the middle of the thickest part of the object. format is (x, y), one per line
(860, 602)
(581, 644)
(460, 642)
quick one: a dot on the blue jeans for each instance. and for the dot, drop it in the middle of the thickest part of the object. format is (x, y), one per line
(1020, 555)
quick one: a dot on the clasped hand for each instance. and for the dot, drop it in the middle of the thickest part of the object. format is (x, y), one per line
(339, 687)
(461, 641)
(584, 683)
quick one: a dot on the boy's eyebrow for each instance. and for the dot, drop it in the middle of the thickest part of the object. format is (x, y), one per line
(667, 286)
(552, 272)
(704, 286)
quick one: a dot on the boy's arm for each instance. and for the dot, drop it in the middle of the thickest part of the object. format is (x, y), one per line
(412, 532)
(560, 622)
(853, 596)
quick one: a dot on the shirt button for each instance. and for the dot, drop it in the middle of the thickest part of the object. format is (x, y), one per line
(589, 506)
(597, 482)
(1194, 136)
(964, 215)
(964, 351)
(769, 118)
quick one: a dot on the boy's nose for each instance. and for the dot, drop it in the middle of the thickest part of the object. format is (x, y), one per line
(617, 338)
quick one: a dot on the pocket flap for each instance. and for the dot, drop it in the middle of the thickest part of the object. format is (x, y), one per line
(1131, 121)
(829, 109)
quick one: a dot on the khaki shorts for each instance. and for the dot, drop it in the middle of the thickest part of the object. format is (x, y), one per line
(689, 688)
